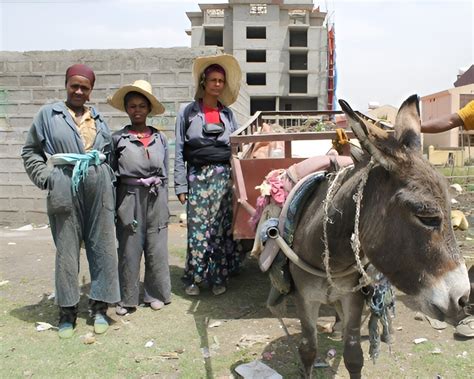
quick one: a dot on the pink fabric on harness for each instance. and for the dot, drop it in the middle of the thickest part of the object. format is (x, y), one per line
(284, 185)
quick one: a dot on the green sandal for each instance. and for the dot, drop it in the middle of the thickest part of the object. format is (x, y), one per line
(100, 324)
(65, 330)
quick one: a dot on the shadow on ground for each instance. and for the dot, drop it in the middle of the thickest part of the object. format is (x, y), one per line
(47, 311)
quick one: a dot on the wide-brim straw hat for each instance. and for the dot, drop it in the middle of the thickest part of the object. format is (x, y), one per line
(140, 86)
(233, 76)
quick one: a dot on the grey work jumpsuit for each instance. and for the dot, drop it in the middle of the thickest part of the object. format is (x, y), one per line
(85, 216)
(142, 216)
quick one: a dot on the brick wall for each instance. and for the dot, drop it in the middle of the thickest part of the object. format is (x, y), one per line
(30, 79)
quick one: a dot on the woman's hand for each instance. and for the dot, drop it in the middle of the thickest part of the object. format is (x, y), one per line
(183, 197)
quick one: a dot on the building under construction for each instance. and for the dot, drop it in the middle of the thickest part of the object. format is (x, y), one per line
(285, 47)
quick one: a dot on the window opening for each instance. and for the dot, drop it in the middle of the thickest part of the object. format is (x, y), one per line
(213, 37)
(298, 84)
(298, 38)
(256, 32)
(256, 55)
(256, 79)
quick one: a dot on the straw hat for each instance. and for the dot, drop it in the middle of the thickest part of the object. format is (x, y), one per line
(233, 76)
(140, 86)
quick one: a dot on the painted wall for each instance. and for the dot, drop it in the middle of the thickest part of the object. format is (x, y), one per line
(439, 104)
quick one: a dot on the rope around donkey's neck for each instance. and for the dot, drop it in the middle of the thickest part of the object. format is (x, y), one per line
(355, 242)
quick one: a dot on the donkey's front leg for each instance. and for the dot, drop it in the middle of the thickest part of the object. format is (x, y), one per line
(352, 306)
(308, 313)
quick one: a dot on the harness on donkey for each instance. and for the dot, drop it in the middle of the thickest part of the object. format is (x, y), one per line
(278, 233)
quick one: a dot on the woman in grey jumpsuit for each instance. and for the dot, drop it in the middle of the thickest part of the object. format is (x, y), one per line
(141, 164)
(66, 153)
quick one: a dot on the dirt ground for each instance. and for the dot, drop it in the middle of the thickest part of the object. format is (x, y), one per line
(218, 333)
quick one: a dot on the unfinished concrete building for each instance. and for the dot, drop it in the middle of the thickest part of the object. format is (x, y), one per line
(283, 46)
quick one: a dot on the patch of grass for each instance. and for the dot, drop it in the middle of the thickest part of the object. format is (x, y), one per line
(182, 328)
(448, 363)
(460, 175)
(121, 352)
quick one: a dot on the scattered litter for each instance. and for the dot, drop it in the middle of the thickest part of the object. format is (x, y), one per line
(456, 187)
(257, 370)
(331, 353)
(454, 201)
(458, 220)
(149, 343)
(216, 344)
(182, 218)
(324, 327)
(417, 341)
(89, 339)
(4, 282)
(400, 328)
(320, 363)
(267, 355)
(463, 355)
(436, 351)
(205, 352)
(248, 340)
(436, 324)
(169, 355)
(51, 296)
(42, 326)
(335, 336)
(24, 228)
(11, 243)
(419, 316)
(215, 324)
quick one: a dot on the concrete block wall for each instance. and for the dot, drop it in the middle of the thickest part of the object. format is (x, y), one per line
(28, 80)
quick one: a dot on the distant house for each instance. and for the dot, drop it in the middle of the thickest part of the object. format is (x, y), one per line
(443, 103)
(466, 78)
(384, 112)
(455, 142)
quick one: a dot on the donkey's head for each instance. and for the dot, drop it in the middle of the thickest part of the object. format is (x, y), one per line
(405, 223)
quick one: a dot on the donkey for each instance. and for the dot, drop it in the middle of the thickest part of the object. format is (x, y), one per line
(403, 227)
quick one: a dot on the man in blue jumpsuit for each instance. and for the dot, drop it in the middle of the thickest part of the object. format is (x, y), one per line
(66, 153)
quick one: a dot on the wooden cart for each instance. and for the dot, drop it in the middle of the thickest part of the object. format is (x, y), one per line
(249, 172)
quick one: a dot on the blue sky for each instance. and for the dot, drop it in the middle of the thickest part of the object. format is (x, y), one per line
(386, 50)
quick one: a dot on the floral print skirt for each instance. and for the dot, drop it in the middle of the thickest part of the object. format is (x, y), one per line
(212, 253)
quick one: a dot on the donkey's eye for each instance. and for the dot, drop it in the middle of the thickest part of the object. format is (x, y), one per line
(431, 221)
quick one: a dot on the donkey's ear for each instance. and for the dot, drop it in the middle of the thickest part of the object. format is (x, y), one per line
(366, 133)
(408, 125)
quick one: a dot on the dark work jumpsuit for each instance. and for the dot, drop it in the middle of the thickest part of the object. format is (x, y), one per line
(142, 215)
(87, 215)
